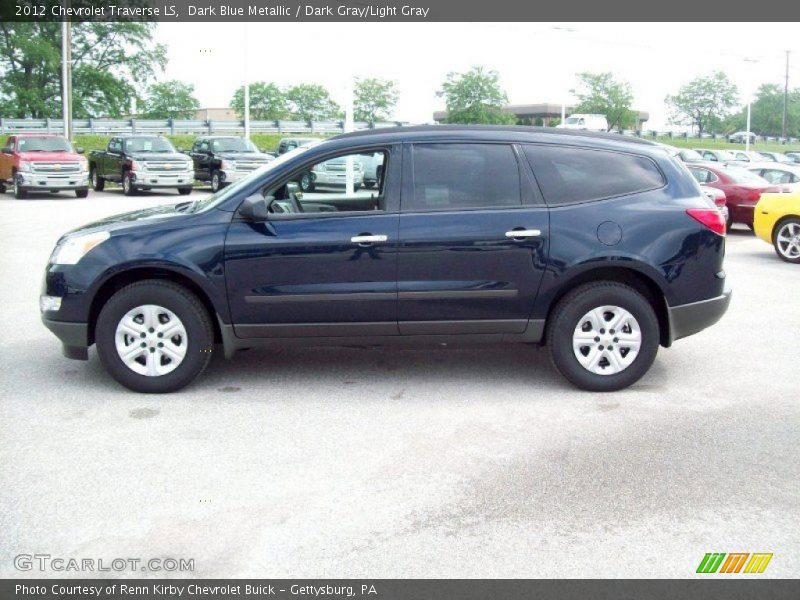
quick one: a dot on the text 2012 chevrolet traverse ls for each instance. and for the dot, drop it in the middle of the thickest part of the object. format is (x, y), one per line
(600, 247)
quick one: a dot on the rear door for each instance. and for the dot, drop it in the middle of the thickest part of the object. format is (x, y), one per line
(473, 240)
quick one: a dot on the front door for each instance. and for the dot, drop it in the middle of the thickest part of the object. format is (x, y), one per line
(325, 264)
(473, 240)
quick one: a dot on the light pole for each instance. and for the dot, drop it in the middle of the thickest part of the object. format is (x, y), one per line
(66, 75)
(752, 61)
(563, 98)
(246, 85)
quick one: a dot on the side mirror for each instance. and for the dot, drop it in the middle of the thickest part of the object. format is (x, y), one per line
(79, 150)
(8, 151)
(256, 207)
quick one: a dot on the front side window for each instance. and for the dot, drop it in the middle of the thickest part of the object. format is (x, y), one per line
(464, 176)
(776, 176)
(572, 175)
(346, 183)
(702, 175)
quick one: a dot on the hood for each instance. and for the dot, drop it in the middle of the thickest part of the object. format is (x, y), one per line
(168, 156)
(50, 156)
(254, 156)
(135, 218)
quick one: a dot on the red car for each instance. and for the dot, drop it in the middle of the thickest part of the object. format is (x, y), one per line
(742, 188)
(42, 163)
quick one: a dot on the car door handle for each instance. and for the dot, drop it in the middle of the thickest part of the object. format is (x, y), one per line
(368, 239)
(523, 233)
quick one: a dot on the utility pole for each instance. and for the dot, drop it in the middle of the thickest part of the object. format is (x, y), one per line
(66, 76)
(785, 97)
(246, 85)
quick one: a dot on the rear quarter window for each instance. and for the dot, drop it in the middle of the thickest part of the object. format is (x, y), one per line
(573, 175)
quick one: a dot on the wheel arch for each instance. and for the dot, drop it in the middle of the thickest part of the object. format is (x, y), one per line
(122, 278)
(780, 222)
(635, 278)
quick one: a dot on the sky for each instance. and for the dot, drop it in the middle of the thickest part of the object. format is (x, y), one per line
(537, 62)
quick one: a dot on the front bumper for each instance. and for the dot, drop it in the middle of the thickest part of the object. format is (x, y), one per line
(162, 180)
(688, 319)
(229, 176)
(62, 181)
(74, 337)
(337, 178)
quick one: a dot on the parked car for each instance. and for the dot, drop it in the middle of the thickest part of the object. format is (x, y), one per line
(776, 157)
(221, 160)
(777, 221)
(742, 189)
(141, 162)
(786, 176)
(585, 122)
(721, 156)
(719, 199)
(42, 162)
(686, 155)
(740, 137)
(457, 244)
(793, 156)
(288, 144)
(748, 156)
(332, 173)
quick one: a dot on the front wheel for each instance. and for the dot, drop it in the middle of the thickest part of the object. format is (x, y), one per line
(307, 182)
(154, 336)
(603, 336)
(184, 191)
(787, 240)
(216, 182)
(81, 193)
(127, 184)
(20, 193)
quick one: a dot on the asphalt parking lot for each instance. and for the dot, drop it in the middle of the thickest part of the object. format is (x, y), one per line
(400, 462)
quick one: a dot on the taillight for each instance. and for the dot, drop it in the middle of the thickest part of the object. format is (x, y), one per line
(710, 217)
(720, 200)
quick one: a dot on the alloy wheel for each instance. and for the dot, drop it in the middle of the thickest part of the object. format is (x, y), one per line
(787, 241)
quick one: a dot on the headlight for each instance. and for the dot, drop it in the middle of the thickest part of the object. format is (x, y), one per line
(189, 166)
(84, 164)
(137, 166)
(74, 248)
(25, 166)
(228, 165)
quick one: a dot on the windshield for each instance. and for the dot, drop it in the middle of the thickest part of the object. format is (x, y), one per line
(233, 145)
(43, 144)
(741, 175)
(148, 144)
(725, 155)
(227, 192)
(688, 155)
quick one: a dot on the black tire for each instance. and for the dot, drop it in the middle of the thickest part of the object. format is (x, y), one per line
(82, 193)
(370, 185)
(566, 317)
(306, 182)
(184, 191)
(20, 193)
(185, 305)
(98, 183)
(53, 191)
(781, 224)
(127, 184)
(2, 188)
(216, 182)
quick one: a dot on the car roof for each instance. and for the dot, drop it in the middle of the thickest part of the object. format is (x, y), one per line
(771, 164)
(408, 133)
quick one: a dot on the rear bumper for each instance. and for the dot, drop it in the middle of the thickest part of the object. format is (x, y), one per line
(688, 319)
(74, 337)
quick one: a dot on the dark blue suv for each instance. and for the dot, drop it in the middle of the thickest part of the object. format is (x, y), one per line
(598, 246)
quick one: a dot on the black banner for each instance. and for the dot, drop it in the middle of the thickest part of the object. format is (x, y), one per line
(392, 589)
(393, 10)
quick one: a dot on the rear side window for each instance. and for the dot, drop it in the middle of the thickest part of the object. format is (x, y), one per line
(573, 175)
(464, 176)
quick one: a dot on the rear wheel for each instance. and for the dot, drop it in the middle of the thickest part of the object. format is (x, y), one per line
(603, 336)
(184, 191)
(154, 336)
(98, 183)
(82, 193)
(787, 240)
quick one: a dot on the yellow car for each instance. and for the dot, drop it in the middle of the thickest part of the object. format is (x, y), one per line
(777, 221)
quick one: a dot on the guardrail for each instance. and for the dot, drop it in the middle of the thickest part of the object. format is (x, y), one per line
(179, 126)
(673, 135)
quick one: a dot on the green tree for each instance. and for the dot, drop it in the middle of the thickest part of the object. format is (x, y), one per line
(374, 99)
(169, 99)
(267, 102)
(110, 63)
(600, 93)
(475, 97)
(311, 102)
(704, 102)
(766, 112)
